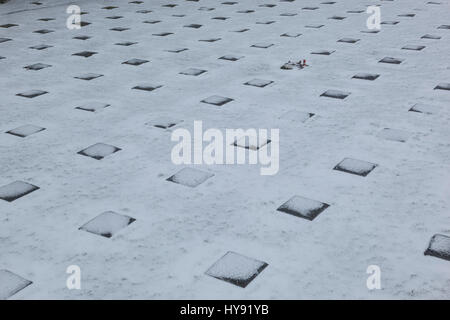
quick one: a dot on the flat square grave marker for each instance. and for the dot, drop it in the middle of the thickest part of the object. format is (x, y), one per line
(88, 76)
(258, 83)
(85, 54)
(413, 47)
(236, 269)
(431, 37)
(4, 40)
(303, 207)
(193, 72)
(390, 60)
(135, 62)
(107, 224)
(25, 130)
(323, 52)
(217, 100)
(439, 247)
(11, 283)
(39, 47)
(231, 57)
(16, 190)
(394, 135)
(262, 45)
(366, 76)
(336, 94)
(354, 166)
(147, 87)
(93, 106)
(190, 177)
(252, 142)
(348, 40)
(442, 86)
(37, 66)
(31, 93)
(99, 150)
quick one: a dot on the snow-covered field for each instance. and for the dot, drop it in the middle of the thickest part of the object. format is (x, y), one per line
(138, 232)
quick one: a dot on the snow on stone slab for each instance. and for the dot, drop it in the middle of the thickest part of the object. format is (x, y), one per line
(135, 62)
(296, 116)
(217, 100)
(93, 106)
(99, 150)
(355, 166)
(190, 177)
(16, 190)
(366, 76)
(85, 54)
(431, 36)
(147, 87)
(11, 283)
(236, 269)
(391, 60)
(88, 76)
(253, 142)
(336, 94)
(37, 66)
(40, 46)
(291, 34)
(31, 93)
(164, 122)
(107, 224)
(25, 130)
(323, 52)
(422, 108)
(231, 57)
(444, 26)
(260, 83)
(4, 40)
(262, 45)
(443, 86)
(394, 134)
(177, 50)
(413, 47)
(439, 247)
(193, 72)
(303, 207)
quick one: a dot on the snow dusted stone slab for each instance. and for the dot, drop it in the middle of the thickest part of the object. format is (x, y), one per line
(4, 39)
(251, 144)
(25, 130)
(190, 177)
(337, 18)
(260, 83)
(85, 54)
(88, 76)
(217, 100)
(314, 26)
(439, 247)
(177, 50)
(39, 47)
(16, 190)
(262, 45)
(421, 108)
(11, 283)
(442, 86)
(93, 106)
(323, 52)
(366, 76)
(230, 57)
(99, 150)
(413, 47)
(336, 94)
(310, 8)
(43, 31)
(193, 72)
(125, 43)
(147, 87)
(37, 66)
(290, 35)
(81, 38)
(151, 21)
(119, 29)
(391, 60)
(348, 40)
(431, 37)
(303, 207)
(193, 25)
(210, 40)
(394, 135)
(236, 269)
(162, 34)
(296, 116)
(444, 26)
(8, 25)
(107, 224)
(31, 93)
(135, 62)
(164, 122)
(354, 166)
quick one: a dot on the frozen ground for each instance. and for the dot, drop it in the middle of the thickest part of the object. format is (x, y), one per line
(158, 239)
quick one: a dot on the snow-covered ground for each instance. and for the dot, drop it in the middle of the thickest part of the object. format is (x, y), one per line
(182, 240)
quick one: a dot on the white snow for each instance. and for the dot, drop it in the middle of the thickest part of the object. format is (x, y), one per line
(386, 218)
